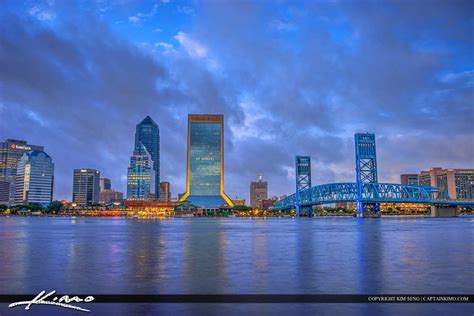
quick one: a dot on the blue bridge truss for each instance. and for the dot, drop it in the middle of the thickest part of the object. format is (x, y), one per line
(371, 193)
(366, 191)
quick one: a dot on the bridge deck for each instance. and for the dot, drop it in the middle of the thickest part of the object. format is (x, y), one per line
(371, 193)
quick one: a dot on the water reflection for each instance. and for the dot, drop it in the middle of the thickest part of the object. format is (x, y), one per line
(307, 267)
(204, 257)
(370, 255)
(235, 256)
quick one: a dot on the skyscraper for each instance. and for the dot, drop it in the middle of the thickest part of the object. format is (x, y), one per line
(141, 175)
(85, 188)
(205, 161)
(104, 184)
(4, 192)
(148, 134)
(258, 192)
(34, 179)
(11, 151)
(165, 193)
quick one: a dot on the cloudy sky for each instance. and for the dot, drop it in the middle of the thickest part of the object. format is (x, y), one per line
(291, 77)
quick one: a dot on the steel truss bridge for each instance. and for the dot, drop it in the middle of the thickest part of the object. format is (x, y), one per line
(366, 191)
(371, 193)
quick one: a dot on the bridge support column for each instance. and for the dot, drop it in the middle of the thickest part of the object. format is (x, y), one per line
(368, 209)
(306, 211)
(443, 211)
(303, 179)
(366, 174)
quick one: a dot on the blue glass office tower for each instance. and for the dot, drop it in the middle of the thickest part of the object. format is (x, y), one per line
(148, 134)
(141, 175)
(34, 178)
(205, 162)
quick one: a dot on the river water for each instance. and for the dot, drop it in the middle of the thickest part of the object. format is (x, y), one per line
(238, 256)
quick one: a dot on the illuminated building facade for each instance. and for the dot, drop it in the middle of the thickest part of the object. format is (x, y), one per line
(85, 187)
(205, 162)
(141, 175)
(11, 151)
(150, 207)
(148, 134)
(458, 183)
(258, 192)
(34, 179)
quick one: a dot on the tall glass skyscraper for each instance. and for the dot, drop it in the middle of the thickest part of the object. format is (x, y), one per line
(11, 151)
(141, 175)
(34, 178)
(148, 134)
(205, 162)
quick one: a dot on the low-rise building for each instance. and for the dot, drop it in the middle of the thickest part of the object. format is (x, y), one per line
(109, 196)
(151, 206)
(265, 204)
(346, 205)
(240, 202)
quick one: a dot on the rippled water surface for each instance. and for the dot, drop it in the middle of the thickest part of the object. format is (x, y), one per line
(239, 256)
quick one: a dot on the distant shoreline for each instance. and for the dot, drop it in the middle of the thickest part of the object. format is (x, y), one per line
(233, 217)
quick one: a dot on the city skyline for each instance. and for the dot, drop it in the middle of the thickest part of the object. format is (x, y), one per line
(182, 69)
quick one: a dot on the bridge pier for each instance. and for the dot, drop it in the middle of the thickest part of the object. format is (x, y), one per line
(443, 211)
(306, 211)
(368, 210)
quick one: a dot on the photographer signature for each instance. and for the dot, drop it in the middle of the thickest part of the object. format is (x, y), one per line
(63, 301)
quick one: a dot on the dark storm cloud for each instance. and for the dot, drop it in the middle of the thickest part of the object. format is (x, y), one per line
(68, 91)
(385, 72)
(292, 78)
(81, 93)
